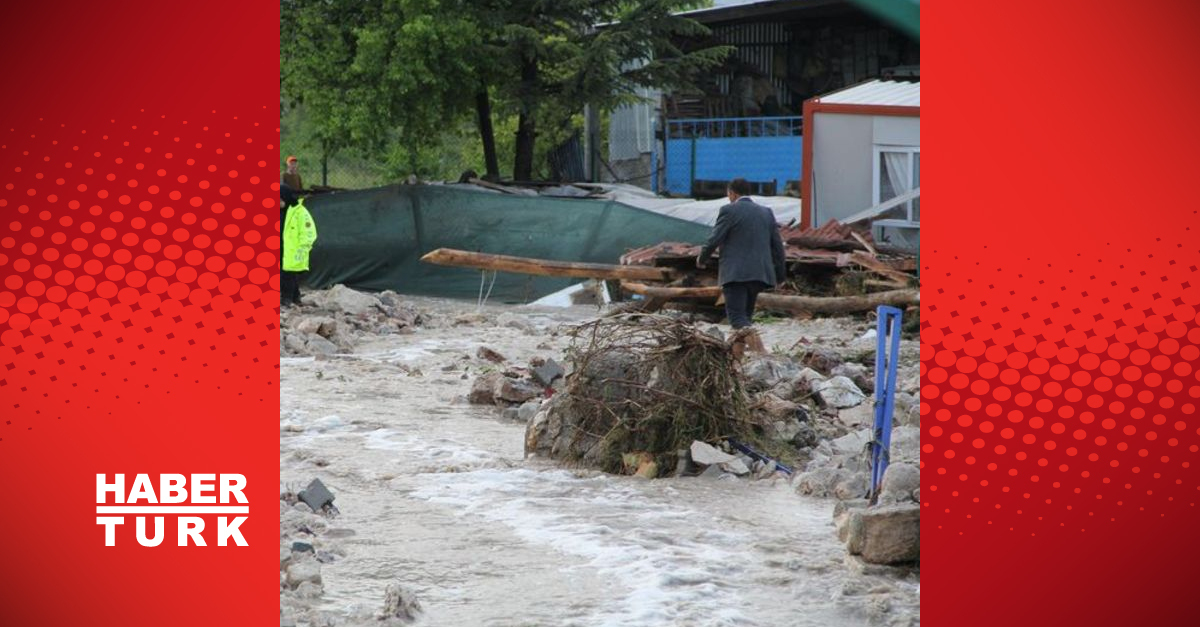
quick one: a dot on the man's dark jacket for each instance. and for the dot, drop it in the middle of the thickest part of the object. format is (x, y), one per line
(751, 249)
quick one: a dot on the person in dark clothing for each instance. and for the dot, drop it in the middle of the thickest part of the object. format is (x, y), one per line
(752, 257)
(289, 282)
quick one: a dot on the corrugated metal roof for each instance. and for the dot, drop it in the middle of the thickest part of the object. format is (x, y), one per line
(878, 92)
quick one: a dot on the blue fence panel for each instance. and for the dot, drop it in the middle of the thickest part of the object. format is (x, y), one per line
(720, 149)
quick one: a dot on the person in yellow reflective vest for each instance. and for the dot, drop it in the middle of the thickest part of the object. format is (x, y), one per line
(298, 232)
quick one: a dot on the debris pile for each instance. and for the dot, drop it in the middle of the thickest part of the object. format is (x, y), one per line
(333, 321)
(641, 389)
(831, 270)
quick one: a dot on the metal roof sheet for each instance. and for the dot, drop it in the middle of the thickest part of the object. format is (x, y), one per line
(878, 92)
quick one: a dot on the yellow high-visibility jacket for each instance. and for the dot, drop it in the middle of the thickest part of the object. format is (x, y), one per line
(299, 234)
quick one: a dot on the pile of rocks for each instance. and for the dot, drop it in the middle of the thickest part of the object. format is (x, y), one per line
(304, 519)
(334, 320)
(517, 391)
(306, 542)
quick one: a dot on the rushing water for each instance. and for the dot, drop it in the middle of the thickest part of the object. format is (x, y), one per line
(436, 494)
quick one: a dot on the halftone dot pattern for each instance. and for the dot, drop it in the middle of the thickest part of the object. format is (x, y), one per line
(1056, 398)
(126, 273)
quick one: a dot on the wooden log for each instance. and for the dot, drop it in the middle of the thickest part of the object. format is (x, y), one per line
(788, 303)
(545, 267)
(837, 304)
(671, 293)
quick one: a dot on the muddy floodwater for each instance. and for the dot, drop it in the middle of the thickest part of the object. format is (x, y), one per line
(435, 493)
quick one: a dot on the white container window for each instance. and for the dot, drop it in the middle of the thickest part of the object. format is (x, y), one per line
(897, 170)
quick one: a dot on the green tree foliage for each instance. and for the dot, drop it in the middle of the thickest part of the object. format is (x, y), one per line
(400, 77)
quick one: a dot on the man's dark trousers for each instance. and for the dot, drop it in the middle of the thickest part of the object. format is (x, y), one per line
(740, 297)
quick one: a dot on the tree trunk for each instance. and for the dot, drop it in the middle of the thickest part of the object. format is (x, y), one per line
(544, 267)
(483, 108)
(526, 121)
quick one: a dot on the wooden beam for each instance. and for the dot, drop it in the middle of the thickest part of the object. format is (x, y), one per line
(788, 303)
(545, 267)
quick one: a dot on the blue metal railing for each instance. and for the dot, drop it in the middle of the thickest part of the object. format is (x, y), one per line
(734, 127)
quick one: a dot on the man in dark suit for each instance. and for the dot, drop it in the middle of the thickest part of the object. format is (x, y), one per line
(752, 257)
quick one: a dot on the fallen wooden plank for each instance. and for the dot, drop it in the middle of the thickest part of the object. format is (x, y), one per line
(545, 267)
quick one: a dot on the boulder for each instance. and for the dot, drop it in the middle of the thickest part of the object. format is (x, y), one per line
(858, 373)
(839, 392)
(548, 372)
(514, 391)
(852, 444)
(483, 390)
(764, 371)
(821, 359)
(316, 495)
(887, 534)
(774, 409)
(858, 417)
(905, 445)
(293, 343)
(708, 455)
(527, 411)
(490, 355)
(399, 604)
(510, 413)
(353, 302)
(318, 345)
(318, 325)
(304, 570)
(900, 480)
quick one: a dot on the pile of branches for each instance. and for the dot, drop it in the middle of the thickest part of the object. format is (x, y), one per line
(649, 384)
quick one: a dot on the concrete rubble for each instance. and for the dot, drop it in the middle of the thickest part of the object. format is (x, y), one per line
(334, 321)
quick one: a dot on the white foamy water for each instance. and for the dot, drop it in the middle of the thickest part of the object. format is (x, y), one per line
(436, 494)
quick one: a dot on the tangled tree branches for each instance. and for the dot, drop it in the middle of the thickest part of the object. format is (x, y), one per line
(643, 383)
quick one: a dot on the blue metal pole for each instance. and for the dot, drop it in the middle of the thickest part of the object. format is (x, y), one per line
(887, 353)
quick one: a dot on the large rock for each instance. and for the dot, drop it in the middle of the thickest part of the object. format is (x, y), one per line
(858, 417)
(708, 455)
(821, 359)
(839, 392)
(852, 444)
(774, 409)
(318, 345)
(318, 325)
(899, 481)
(353, 302)
(766, 371)
(842, 483)
(905, 445)
(294, 344)
(528, 410)
(515, 391)
(858, 373)
(305, 570)
(887, 534)
(483, 389)
(399, 604)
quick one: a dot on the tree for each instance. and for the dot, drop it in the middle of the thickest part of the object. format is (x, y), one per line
(376, 72)
(559, 55)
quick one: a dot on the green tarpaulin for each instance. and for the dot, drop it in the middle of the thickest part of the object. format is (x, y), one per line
(373, 239)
